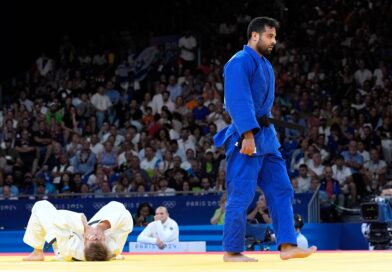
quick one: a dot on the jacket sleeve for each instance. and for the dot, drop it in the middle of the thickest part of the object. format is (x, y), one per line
(238, 95)
(146, 236)
(121, 224)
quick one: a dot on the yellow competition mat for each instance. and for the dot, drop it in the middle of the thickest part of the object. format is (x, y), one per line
(336, 261)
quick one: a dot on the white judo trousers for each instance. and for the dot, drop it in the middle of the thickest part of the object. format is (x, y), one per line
(40, 227)
(47, 223)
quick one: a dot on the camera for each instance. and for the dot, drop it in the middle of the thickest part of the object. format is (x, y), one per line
(259, 235)
(378, 210)
(377, 216)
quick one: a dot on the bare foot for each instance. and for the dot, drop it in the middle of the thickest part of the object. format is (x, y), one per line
(237, 257)
(36, 255)
(118, 257)
(290, 252)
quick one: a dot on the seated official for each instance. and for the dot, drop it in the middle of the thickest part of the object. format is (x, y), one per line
(302, 242)
(163, 230)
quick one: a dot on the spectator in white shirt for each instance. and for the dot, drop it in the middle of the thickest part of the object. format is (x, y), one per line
(343, 174)
(185, 141)
(363, 152)
(375, 170)
(150, 161)
(362, 74)
(303, 179)
(101, 103)
(25, 101)
(157, 99)
(168, 102)
(315, 166)
(44, 65)
(188, 45)
(163, 189)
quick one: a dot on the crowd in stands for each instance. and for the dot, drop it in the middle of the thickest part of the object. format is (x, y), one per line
(83, 122)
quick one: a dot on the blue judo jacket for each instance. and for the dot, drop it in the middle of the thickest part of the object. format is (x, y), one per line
(249, 93)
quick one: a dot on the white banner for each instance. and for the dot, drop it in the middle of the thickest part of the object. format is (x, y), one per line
(170, 247)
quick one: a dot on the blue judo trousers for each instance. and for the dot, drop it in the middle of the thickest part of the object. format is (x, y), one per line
(249, 93)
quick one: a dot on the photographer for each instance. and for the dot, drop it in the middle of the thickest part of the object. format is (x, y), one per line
(379, 233)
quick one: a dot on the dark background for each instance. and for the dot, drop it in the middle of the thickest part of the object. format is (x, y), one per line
(29, 28)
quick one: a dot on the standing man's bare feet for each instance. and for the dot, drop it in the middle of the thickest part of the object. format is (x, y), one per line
(288, 251)
(237, 257)
(36, 255)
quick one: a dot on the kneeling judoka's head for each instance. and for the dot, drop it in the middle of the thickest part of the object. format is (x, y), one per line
(96, 251)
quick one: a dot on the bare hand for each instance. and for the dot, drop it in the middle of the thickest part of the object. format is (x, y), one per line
(248, 144)
(100, 230)
(157, 218)
(160, 244)
(90, 233)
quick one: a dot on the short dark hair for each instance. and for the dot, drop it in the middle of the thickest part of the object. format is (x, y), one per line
(258, 24)
(96, 252)
(298, 221)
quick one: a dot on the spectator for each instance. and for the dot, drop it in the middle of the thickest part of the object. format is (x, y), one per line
(352, 158)
(343, 174)
(85, 160)
(150, 162)
(332, 189)
(163, 189)
(259, 214)
(188, 44)
(108, 158)
(315, 166)
(101, 103)
(303, 179)
(9, 158)
(64, 166)
(144, 215)
(5, 193)
(219, 215)
(375, 171)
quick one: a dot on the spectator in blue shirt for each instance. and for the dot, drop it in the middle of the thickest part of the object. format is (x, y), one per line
(352, 158)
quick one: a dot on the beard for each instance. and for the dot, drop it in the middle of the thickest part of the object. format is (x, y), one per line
(262, 48)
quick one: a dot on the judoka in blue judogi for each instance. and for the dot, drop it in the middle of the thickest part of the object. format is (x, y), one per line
(249, 93)
(249, 96)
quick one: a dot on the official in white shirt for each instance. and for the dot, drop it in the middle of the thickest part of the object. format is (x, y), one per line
(302, 242)
(163, 230)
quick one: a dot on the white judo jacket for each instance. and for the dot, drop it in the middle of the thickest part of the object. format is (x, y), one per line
(47, 223)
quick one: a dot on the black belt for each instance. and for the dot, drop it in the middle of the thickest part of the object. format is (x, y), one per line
(265, 121)
(93, 222)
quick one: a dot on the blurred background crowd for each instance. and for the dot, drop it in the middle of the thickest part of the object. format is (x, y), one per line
(135, 112)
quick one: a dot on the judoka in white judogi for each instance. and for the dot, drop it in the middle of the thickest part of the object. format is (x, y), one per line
(67, 229)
